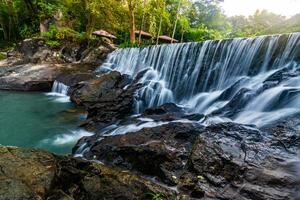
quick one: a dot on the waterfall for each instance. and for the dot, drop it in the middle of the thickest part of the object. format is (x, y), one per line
(59, 88)
(244, 79)
(59, 92)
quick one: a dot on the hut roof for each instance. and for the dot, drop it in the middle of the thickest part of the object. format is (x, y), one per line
(103, 33)
(143, 34)
(167, 38)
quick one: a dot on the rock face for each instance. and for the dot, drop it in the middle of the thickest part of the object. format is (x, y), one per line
(104, 97)
(35, 50)
(39, 77)
(35, 174)
(222, 161)
(33, 66)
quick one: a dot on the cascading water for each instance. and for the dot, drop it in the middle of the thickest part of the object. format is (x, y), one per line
(60, 92)
(60, 88)
(253, 80)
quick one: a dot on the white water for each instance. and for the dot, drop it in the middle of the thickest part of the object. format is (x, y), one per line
(226, 76)
(59, 92)
(67, 138)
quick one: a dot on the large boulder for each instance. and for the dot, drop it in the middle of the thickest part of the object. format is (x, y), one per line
(39, 77)
(33, 66)
(105, 97)
(36, 174)
(36, 50)
(222, 161)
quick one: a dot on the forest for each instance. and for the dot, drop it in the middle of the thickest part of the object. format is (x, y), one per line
(91, 108)
(185, 20)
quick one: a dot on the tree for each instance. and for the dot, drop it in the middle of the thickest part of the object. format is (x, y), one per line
(131, 8)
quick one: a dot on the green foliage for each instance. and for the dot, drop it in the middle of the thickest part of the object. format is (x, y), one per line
(156, 196)
(2, 56)
(202, 33)
(53, 44)
(74, 20)
(127, 45)
(27, 31)
(63, 34)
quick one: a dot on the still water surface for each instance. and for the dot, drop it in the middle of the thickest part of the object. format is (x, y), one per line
(39, 120)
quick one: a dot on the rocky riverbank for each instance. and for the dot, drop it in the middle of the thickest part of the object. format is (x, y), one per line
(33, 66)
(222, 161)
(36, 174)
(164, 152)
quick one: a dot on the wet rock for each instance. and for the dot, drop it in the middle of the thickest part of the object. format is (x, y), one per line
(163, 109)
(223, 161)
(39, 77)
(148, 151)
(36, 174)
(105, 98)
(96, 55)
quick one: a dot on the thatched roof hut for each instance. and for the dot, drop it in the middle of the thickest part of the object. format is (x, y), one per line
(103, 33)
(166, 38)
(143, 34)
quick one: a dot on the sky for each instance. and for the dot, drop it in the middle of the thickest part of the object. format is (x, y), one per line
(248, 7)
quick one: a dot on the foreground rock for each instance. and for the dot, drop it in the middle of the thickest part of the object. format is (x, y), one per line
(222, 161)
(35, 174)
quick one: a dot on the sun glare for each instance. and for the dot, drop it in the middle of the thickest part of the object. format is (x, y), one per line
(248, 7)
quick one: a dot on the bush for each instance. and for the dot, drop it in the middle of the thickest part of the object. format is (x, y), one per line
(54, 36)
(26, 31)
(202, 33)
(128, 45)
(53, 43)
(2, 56)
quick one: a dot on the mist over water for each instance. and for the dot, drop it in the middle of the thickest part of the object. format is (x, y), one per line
(247, 80)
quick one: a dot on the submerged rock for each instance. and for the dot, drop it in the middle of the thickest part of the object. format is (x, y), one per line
(36, 174)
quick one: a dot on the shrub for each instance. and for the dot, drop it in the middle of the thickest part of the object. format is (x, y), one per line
(128, 45)
(53, 43)
(2, 56)
(63, 34)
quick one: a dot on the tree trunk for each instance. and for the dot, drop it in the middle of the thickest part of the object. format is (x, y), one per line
(5, 35)
(43, 26)
(159, 30)
(142, 23)
(175, 26)
(132, 20)
(181, 40)
(160, 23)
(11, 20)
(58, 19)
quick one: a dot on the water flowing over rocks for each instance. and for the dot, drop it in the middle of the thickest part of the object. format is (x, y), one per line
(225, 78)
(222, 161)
(209, 120)
(217, 119)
